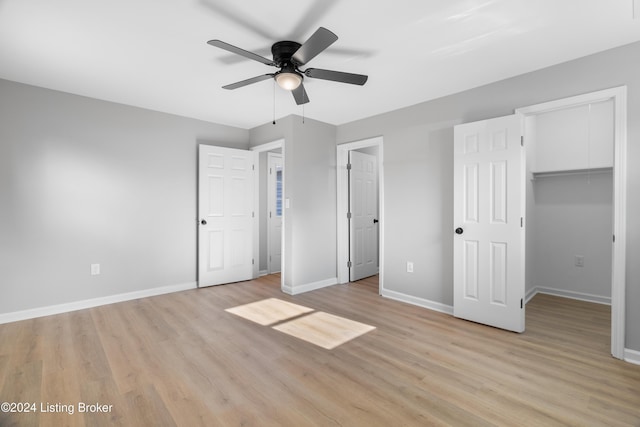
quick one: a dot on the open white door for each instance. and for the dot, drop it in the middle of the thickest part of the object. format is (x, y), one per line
(363, 206)
(274, 201)
(225, 208)
(489, 206)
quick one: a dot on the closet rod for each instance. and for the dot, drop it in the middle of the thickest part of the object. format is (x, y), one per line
(536, 175)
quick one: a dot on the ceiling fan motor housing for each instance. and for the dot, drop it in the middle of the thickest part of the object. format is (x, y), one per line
(283, 51)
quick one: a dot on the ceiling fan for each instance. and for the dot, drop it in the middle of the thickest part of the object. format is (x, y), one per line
(289, 56)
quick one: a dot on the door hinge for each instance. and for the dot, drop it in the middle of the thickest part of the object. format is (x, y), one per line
(269, 214)
(253, 167)
(614, 238)
(522, 140)
(253, 214)
(253, 261)
(521, 303)
(521, 222)
(270, 171)
(348, 215)
(349, 264)
(348, 166)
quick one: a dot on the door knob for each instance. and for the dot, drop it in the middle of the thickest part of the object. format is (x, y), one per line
(375, 221)
(203, 222)
(459, 230)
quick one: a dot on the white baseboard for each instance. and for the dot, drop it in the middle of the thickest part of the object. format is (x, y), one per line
(632, 356)
(421, 302)
(94, 302)
(598, 299)
(299, 289)
(532, 293)
(263, 273)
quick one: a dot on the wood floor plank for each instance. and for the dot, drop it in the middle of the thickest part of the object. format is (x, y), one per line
(181, 360)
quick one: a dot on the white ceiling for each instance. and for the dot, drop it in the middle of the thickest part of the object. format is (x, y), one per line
(153, 53)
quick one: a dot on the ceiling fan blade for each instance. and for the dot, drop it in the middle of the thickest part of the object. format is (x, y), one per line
(319, 41)
(248, 81)
(300, 95)
(336, 76)
(242, 52)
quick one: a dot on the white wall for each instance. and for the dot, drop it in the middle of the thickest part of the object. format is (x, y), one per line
(418, 168)
(84, 181)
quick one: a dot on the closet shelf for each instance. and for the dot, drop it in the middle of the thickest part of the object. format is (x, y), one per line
(536, 175)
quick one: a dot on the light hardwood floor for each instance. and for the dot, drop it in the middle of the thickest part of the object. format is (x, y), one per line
(180, 359)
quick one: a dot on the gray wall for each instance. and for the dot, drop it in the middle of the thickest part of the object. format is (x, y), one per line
(310, 185)
(84, 181)
(573, 216)
(418, 168)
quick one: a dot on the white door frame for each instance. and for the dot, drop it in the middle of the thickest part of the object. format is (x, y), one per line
(343, 207)
(270, 146)
(619, 247)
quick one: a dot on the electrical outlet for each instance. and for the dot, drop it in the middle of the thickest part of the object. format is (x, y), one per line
(95, 269)
(579, 261)
(409, 267)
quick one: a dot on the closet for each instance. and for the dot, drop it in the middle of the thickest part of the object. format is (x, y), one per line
(570, 201)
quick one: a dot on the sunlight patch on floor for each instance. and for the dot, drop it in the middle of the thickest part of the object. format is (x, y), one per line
(269, 311)
(322, 329)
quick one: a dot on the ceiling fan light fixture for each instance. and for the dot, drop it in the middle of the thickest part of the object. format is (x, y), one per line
(288, 80)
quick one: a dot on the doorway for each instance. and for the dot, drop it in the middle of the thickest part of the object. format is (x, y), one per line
(617, 96)
(269, 198)
(275, 176)
(345, 263)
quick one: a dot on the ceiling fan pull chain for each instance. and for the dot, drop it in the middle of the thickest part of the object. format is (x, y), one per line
(274, 101)
(302, 113)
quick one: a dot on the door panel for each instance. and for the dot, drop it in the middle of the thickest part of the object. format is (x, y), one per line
(225, 208)
(489, 201)
(363, 205)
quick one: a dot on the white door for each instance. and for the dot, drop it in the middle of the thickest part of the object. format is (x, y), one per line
(489, 206)
(363, 206)
(225, 208)
(274, 201)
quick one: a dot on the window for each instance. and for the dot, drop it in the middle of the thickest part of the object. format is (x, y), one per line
(279, 192)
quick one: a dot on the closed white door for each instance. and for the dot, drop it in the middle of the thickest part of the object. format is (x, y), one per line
(489, 206)
(226, 215)
(274, 201)
(363, 207)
